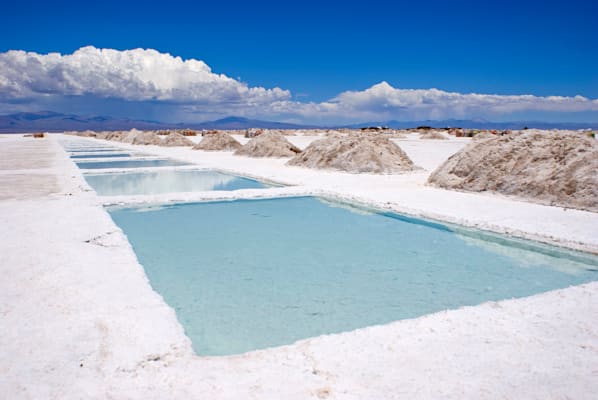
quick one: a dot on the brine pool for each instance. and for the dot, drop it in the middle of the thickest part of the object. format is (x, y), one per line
(100, 155)
(141, 163)
(251, 274)
(155, 182)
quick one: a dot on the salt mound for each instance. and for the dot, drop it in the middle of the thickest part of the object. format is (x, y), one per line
(253, 132)
(548, 167)
(115, 136)
(396, 135)
(147, 138)
(102, 135)
(86, 133)
(218, 142)
(355, 154)
(432, 135)
(483, 136)
(268, 144)
(129, 137)
(334, 134)
(175, 139)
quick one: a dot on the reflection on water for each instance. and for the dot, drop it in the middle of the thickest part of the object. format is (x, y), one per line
(101, 155)
(129, 164)
(167, 181)
(545, 256)
(349, 207)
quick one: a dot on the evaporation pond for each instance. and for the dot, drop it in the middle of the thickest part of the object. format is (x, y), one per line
(129, 164)
(245, 275)
(102, 155)
(167, 181)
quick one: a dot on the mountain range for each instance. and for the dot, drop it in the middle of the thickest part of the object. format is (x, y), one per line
(48, 121)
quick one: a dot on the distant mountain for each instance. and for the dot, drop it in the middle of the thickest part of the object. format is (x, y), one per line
(244, 123)
(48, 121)
(479, 124)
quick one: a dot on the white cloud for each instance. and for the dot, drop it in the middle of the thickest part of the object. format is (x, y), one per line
(383, 100)
(135, 75)
(141, 76)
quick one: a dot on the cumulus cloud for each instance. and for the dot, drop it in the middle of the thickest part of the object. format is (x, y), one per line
(383, 100)
(135, 75)
(189, 87)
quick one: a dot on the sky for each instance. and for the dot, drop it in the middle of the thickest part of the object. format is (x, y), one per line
(308, 61)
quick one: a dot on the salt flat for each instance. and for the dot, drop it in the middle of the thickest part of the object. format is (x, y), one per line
(80, 320)
(405, 193)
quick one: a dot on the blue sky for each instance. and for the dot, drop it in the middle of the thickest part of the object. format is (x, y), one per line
(319, 50)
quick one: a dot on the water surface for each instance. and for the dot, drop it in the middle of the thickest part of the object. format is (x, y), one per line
(101, 155)
(133, 183)
(129, 164)
(247, 275)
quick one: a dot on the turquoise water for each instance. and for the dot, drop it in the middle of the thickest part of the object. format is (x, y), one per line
(247, 275)
(129, 164)
(110, 155)
(167, 181)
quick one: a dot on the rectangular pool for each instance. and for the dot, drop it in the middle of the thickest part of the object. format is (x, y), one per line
(132, 183)
(101, 155)
(129, 164)
(245, 275)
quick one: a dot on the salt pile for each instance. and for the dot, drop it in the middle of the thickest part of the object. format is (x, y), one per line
(396, 135)
(554, 168)
(114, 136)
(253, 132)
(129, 137)
(87, 133)
(334, 133)
(175, 139)
(147, 138)
(432, 135)
(102, 135)
(355, 154)
(218, 142)
(483, 136)
(268, 144)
